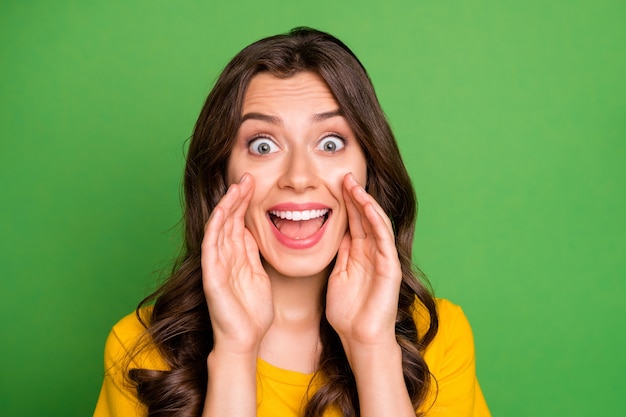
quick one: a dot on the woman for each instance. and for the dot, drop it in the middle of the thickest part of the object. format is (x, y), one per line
(295, 293)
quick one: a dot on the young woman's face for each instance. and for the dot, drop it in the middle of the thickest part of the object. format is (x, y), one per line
(298, 147)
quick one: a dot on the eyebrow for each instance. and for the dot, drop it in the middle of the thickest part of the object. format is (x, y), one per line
(327, 115)
(263, 117)
(318, 117)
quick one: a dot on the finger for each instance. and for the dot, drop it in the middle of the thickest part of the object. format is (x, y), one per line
(219, 215)
(384, 237)
(373, 220)
(235, 203)
(217, 233)
(354, 215)
(232, 201)
(362, 198)
(252, 251)
(246, 190)
(212, 228)
(343, 254)
(211, 248)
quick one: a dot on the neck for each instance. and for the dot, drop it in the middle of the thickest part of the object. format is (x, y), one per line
(297, 300)
(292, 341)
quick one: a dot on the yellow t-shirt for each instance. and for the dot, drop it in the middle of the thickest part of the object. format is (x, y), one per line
(280, 392)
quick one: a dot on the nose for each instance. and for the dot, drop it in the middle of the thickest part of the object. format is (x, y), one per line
(299, 171)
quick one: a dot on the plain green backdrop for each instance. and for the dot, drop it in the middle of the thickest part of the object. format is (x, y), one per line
(511, 117)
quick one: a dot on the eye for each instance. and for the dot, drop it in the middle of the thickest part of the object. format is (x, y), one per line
(331, 144)
(262, 146)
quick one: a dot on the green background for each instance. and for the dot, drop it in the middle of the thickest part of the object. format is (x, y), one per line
(511, 116)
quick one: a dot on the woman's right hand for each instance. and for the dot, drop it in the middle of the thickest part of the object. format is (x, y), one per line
(236, 286)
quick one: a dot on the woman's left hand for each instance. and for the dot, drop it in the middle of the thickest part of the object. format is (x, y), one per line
(363, 288)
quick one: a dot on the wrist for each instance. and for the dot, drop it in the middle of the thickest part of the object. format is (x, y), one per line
(373, 358)
(236, 347)
(380, 380)
(231, 361)
(231, 386)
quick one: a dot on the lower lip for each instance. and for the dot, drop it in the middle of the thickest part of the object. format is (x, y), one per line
(305, 243)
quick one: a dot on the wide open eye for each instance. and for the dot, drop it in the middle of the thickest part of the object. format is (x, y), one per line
(262, 146)
(331, 144)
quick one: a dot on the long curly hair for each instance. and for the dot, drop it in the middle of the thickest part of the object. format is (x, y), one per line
(180, 326)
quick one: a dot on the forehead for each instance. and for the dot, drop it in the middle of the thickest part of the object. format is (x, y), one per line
(304, 90)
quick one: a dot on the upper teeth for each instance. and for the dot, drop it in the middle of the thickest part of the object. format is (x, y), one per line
(299, 215)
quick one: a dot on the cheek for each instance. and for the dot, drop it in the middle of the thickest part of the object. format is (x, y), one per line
(335, 172)
(359, 168)
(332, 176)
(233, 172)
(263, 184)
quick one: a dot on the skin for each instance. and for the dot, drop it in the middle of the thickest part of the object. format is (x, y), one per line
(262, 293)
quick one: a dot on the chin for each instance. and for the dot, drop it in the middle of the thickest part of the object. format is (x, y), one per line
(299, 266)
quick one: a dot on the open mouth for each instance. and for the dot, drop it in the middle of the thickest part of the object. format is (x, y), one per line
(300, 224)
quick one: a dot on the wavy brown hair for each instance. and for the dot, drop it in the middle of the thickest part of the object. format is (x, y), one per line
(180, 326)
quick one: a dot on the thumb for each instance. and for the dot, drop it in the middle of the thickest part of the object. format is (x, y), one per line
(343, 253)
(252, 250)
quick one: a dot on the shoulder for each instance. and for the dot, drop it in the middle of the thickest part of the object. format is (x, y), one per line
(452, 363)
(451, 352)
(128, 344)
(453, 323)
(450, 316)
(130, 328)
(454, 335)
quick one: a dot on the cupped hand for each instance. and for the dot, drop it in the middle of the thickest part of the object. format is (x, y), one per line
(236, 286)
(363, 288)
